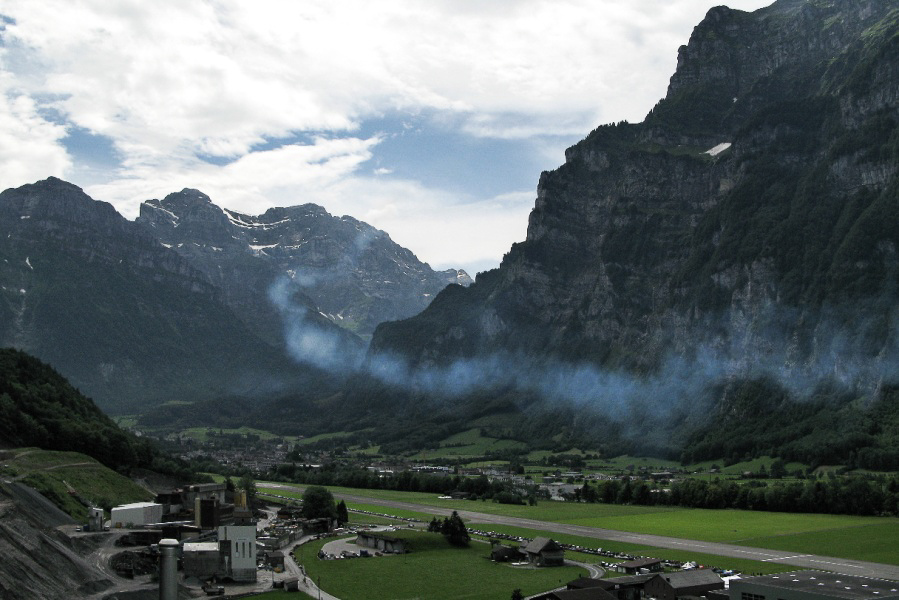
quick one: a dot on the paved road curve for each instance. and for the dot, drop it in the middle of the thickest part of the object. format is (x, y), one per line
(805, 561)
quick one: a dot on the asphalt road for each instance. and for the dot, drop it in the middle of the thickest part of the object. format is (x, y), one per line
(803, 561)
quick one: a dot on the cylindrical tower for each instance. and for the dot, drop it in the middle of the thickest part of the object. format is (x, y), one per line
(168, 569)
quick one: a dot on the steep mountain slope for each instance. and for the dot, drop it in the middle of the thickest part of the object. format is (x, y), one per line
(39, 562)
(349, 271)
(126, 320)
(746, 229)
(40, 408)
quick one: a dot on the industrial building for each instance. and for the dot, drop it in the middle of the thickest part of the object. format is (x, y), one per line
(94, 519)
(136, 515)
(201, 560)
(812, 585)
(233, 556)
(237, 545)
(680, 584)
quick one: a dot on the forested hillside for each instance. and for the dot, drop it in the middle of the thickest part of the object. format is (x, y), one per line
(39, 408)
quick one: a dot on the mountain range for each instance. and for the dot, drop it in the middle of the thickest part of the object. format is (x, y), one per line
(192, 302)
(719, 280)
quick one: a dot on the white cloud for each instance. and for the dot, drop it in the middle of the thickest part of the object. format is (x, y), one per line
(221, 76)
(288, 175)
(29, 144)
(443, 230)
(169, 82)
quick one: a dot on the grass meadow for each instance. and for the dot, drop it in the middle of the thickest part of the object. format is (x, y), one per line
(433, 569)
(52, 473)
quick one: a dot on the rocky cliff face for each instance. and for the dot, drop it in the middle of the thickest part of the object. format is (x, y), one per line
(748, 221)
(350, 272)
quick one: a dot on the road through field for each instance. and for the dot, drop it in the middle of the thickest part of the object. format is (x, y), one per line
(805, 561)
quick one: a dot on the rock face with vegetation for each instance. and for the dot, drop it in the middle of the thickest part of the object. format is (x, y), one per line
(745, 231)
(347, 270)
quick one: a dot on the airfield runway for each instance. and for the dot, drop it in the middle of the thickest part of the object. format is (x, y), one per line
(803, 561)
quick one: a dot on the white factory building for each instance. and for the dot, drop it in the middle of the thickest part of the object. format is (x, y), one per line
(136, 515)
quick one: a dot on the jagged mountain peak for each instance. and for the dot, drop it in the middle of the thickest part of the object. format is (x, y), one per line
(348, 270)
(53, 196)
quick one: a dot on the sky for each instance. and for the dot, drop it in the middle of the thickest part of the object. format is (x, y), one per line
(429, 119)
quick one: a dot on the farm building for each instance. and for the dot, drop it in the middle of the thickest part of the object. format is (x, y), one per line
(670, 586)
(381, 542)
(544, 552)
(136, 515)
(812, 585)
(501, 553)
(641, 565)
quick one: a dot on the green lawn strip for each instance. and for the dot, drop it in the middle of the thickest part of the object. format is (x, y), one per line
(875, 542)
(622, 462)
(323, 436)
(710, 560)
(544, 511)
(398, 512)
(726, 525)
(203, 434)
(359, 519)
(468, 443)
(433, 569)
(28, 459)
(49, 471)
